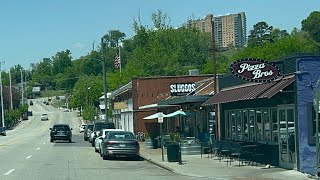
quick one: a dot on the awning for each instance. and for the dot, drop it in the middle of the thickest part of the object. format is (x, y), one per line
(250, 91)
(176, 113)
(153, 116)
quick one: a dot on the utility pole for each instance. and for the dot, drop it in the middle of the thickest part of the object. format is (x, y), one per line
(11, 102)
(22, 98)
(104, 79)
(214, 64)
(1, 90)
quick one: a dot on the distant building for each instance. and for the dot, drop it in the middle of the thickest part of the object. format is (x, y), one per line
(229, 30)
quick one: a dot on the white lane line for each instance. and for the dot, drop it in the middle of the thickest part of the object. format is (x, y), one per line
(28, 157)
(9, 172)
(38, 148)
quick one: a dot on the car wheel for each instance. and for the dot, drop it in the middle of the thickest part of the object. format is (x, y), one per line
(70, 140)
(105, 157)
(4, 134)
(100, 152)
(51, 140)
(92, 144)
(95, 149)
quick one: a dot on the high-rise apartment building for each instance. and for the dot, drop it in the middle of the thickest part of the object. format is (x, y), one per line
(229, 30)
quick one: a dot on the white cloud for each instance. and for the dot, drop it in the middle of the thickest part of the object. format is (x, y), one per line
(78, 45)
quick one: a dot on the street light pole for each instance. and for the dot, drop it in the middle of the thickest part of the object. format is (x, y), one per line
(1, 90)
(104, 80)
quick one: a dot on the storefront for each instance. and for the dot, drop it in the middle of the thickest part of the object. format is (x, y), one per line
(272, 104)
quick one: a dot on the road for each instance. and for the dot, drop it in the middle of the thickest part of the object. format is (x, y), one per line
(27, 154)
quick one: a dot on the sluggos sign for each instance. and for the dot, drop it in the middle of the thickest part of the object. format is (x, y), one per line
(255, 70)
(182, 89)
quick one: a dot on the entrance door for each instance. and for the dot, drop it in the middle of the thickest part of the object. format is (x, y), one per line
(287, 145)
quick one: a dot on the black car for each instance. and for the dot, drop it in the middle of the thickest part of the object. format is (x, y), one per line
(61, 132)
(3, 131)
(87, 131)
(97, 127)
(31, 103)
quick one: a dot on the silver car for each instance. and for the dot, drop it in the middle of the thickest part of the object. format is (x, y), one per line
(120, 143)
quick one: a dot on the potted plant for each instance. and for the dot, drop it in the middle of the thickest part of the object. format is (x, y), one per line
(173, 147)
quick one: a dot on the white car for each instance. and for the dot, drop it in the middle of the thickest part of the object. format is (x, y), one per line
(82, 127)
(44, 117)
(99, 140)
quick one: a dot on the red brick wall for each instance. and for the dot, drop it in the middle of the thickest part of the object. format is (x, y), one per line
(149, 91)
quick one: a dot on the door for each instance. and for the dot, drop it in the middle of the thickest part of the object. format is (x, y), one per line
(287, 145)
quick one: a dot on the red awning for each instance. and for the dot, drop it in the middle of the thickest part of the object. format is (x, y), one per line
(250, 91)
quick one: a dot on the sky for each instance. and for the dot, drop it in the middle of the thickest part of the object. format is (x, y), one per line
(31, 30)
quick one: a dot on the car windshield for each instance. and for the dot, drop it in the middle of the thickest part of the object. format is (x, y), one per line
(89, 127)
(61, 127)
(104, 126)
(121, 135)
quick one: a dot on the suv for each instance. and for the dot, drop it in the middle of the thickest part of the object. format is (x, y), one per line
(61, 132)
(44, 117)
(3, 131)
(87, 131)
(98, 126)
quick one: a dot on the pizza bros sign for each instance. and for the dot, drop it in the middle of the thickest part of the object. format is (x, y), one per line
(255, 70)
(182, 89)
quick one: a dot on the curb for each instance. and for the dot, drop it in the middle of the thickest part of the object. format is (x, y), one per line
(158, 164)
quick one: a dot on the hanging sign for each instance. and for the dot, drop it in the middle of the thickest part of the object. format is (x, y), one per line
(160, 117)
(255, 70)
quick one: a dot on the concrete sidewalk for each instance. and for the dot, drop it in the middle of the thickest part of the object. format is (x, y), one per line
(211, 168)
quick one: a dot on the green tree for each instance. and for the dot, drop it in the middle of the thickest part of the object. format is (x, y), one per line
(312, 25)
(114, 37)
(260, 34)
(61, 61)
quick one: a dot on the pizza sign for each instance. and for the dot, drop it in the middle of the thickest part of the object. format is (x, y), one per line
(255, 70)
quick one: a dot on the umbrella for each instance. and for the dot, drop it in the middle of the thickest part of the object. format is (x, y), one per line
(176, 113)
(154, 116)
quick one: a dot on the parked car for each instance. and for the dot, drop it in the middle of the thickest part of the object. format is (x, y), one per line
(87, 132)
(99, 139)
(31, 103)
(61, 132)
(44, 117)
(25, 116)
(97, 127)
(82, 127)
(30, 113)
(120, 143)
(3, 131)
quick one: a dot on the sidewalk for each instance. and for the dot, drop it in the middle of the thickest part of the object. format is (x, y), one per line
(195, 166)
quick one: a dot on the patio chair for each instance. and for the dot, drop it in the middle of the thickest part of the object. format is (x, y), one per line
(236, 153)
(225, 150)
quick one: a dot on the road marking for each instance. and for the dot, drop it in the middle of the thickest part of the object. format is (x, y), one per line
(44, 142)
(9, 172)
(38, 148)
(28, 156)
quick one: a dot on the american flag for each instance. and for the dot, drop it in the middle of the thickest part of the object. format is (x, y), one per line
(117, 60)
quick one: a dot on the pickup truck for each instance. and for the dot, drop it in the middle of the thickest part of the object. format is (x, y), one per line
(3, 131)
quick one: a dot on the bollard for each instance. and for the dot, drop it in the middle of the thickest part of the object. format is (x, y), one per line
(180, 158)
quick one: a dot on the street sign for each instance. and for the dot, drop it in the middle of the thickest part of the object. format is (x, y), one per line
(160, 117)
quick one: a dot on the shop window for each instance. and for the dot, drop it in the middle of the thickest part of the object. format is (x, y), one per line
(252, 127)
(259, 125)
(245, 125)
(239, 128)
(311, 123)
(233, 125)
(227, 122)
(274, 120)
(267, 129)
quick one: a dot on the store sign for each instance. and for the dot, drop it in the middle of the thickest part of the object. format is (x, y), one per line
(120, 105)
(182, 89)
(255, 70)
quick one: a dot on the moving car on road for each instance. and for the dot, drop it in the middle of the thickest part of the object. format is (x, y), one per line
(44, 117)
(61, 132)
(120, 143)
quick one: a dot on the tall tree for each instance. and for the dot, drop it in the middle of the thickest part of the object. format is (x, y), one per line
(160, 20)
(61, 61)
(260, 34)
(114, 37)
(312, 25)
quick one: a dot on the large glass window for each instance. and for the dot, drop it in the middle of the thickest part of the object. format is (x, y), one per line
(266, 120)
(274, 120)
(252, 128)
(259, 126)
(239, 123)
(245, 125)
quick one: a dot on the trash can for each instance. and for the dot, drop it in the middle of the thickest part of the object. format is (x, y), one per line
(155, 143)
(173, 152)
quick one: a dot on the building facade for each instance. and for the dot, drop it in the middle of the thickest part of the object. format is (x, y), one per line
(229, 30)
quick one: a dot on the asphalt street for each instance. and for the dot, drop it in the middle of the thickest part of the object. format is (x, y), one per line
(27, 154)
